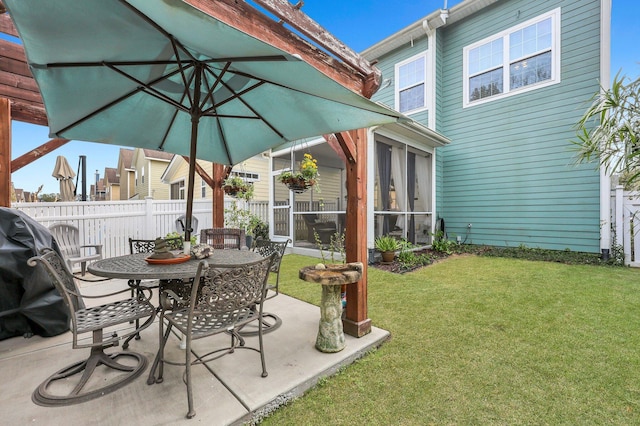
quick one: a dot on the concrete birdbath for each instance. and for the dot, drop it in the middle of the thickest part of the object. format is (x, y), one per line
(332, 278)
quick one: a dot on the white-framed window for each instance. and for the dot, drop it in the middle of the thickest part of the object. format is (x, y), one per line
(247, 176)
(142, 175)
(411, 84)
(522, 58)
(203, 189)
(177, 190)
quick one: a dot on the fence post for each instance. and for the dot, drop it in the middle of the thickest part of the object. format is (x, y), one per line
(619, 215)
(148, 221)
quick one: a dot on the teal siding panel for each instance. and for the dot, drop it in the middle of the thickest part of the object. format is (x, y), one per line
(510, 169)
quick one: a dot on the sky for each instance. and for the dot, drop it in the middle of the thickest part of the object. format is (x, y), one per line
(357, 23)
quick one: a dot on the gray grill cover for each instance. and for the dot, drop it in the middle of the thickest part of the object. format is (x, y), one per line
(29, 302)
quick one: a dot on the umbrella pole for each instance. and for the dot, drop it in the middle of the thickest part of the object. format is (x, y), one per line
(195, 120)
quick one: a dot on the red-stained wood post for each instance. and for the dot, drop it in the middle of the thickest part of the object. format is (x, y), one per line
(356, 323)
(5, 152)
(219, 173)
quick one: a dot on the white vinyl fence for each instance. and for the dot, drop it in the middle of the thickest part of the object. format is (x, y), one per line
(112, 223)
(625, 208)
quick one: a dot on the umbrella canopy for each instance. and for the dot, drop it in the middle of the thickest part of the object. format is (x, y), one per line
(64, 174)
(166, 76)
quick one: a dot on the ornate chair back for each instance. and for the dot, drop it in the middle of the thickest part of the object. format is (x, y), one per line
(266, 248)
(147, 246)
(223, 238)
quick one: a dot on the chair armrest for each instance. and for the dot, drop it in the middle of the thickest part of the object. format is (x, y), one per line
(127, 290)
(97, 247)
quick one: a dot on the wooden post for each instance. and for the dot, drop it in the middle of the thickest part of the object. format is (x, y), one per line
(5, 152)
(356, 322)
(218, 172)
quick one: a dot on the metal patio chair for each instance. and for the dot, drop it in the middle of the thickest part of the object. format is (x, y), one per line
(270, 321)
(223, 303)
(68, 239)
(92, 320)
(265, 248)
(146, 246)
(223, 238)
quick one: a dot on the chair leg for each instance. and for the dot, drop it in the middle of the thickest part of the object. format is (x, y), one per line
(135, 290)
(191, 413)
(264, 365)
(270, 322)
(159, 361)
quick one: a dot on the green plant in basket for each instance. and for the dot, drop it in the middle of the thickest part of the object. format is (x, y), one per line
(306, 178)
(237, 187)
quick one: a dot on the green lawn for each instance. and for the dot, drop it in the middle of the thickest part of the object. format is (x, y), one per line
(479, 340)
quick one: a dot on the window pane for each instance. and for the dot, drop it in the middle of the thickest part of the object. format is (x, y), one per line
(485, 85)
(530, 71)
(412, 98)
(485, 57)
(411, 73)
(530, 40)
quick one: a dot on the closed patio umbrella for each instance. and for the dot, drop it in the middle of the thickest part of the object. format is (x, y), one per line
(64, 174)
(166, 76)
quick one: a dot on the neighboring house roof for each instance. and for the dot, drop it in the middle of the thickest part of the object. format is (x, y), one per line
(111, 175)
(170, 170)
(175, 163)
(156, 155)
(125, 158)
(435, 19)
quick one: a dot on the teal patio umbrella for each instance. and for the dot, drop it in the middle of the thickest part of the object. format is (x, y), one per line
(166, 76)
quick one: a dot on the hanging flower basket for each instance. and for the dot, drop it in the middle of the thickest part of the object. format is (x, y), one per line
(236, 187)
(304, 179)
(297, 184)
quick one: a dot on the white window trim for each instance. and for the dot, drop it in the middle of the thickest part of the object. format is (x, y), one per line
(504, 35)
(426, 80)
(248, 176)
(181, 189)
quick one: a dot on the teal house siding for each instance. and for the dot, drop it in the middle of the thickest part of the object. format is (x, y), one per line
(509, 170)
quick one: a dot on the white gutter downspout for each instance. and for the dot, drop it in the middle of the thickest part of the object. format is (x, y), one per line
(371, 147)
(605, 179)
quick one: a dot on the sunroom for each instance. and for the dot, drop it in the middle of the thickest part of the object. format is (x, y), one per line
(401, 189)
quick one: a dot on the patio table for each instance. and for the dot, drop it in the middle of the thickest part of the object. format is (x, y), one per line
(135, 267)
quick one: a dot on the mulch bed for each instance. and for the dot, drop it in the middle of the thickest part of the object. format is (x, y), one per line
(399, 268)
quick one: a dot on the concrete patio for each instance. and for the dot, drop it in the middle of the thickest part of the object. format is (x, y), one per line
(293, 363)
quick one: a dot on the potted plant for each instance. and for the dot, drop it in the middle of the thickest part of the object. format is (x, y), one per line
(304, 179)
(387, 246)
(253, 226)
(237, 187)
(258, 228)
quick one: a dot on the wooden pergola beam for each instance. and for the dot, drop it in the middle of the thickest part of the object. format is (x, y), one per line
(5, 152)
(251, 21)
(36, 153)
(292, 15)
